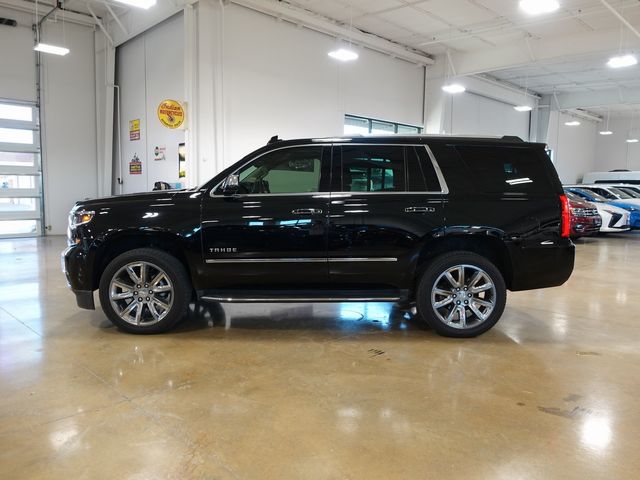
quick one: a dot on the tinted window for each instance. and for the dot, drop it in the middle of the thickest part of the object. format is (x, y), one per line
(374, 168)
(290, 170)
(499, 169)
(422, 175)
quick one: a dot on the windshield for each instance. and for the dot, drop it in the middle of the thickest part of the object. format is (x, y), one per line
(630, 191)
(589, 195)
(620, 193)
(574, 197)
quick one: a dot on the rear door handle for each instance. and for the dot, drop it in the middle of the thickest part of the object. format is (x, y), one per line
(306, 211)
(419, 210)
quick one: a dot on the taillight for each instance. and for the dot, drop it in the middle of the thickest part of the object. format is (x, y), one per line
(565, 218)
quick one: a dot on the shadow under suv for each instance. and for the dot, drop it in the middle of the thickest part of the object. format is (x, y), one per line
(448, 223)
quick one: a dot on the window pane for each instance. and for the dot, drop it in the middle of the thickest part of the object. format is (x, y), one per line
(291, 170)
(17, 181)
(373, 169)
(15, 135)
(382, 127)
(408, 130)
(507, 169)
(16, 112)
(18, 227)
(18, 204)
(17, 159)
(422, 175)
(355, 126)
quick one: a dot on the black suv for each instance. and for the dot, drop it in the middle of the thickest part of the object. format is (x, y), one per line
(448, 223)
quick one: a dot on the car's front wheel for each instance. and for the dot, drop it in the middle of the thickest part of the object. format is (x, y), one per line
(461, 294)
(145, 291)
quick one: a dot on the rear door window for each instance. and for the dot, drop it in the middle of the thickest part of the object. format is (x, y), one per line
(506, 169)
(373, 168)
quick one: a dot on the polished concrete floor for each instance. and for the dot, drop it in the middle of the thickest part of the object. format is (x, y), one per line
(340, 391)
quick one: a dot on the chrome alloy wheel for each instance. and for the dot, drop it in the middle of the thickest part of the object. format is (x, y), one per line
(463, 296)
(141, 293)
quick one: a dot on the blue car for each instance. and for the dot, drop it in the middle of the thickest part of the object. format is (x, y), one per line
(633, 209)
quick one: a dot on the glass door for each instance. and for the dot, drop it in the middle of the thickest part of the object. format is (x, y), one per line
(20, 170)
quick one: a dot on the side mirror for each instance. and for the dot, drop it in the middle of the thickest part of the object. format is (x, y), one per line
(231, 185)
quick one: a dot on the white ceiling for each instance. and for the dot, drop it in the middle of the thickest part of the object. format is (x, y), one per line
(435, 26)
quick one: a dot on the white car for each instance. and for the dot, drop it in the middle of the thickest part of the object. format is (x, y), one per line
(614, 219)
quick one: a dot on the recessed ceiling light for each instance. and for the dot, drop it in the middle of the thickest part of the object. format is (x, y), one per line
(146, 4)
(343, 55)
(46, 48)
(536, 7)
(572, 123)
(606, 132)
(632, 140)
(621, 61)
(453, 88)
(523, 108)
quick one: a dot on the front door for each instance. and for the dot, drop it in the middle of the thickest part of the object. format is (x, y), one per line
(273, 232)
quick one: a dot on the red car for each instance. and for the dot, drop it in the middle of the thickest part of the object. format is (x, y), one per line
(585, 219)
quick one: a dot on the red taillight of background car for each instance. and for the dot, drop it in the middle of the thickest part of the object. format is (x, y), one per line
(565, 219)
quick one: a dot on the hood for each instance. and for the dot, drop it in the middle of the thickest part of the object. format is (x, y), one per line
(610, 208)
(626, 204)
(576, 204)
(146, 197)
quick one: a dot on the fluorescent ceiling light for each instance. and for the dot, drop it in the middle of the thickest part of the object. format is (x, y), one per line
(453, 88)
(632, 140)
(523, 108)
(146, 4)
(343, 55)
(46, 48)
(622, 61)
(606, 132)
(536, 7)
(573, 123)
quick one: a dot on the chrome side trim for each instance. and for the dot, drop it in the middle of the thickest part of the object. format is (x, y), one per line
(301, 260)
(277, 299)
(266, 260)
(362, 259)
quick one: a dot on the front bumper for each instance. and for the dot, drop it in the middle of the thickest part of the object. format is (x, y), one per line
(74, 267)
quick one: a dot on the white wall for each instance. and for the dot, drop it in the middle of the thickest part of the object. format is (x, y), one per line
(150, 70)
(574, 148)
(471, 114)
(613, 152)
(278, 79)
(68, 108)
(69, 125)
(17, 59)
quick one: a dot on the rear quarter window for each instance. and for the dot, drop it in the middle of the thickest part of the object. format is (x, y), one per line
(506, 169)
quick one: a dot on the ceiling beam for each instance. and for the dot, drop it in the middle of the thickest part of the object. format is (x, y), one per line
(601, 98)
(30, 7)
(308, 19)
(533, 52)
(619, 16)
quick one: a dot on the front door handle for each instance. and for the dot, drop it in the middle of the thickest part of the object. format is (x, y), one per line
(419, 210)
(306, 211)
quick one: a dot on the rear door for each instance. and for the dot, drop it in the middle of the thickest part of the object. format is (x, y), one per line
(386, 201)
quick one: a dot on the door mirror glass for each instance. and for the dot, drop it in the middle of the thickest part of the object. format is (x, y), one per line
(231, 185)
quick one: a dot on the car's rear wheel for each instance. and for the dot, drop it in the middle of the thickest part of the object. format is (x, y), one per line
(145, 291)
(461, 294)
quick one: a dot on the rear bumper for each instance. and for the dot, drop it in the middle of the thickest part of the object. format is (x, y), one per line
(541, 265)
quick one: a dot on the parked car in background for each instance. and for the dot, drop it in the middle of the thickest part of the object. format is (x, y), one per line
(632, 190)
(584, 192)
(617, 176)
(585, 220)
(614, 219)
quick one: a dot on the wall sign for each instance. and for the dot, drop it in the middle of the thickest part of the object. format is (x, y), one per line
(134, 129)
(171, 113)
(135, 165)
(159, 153)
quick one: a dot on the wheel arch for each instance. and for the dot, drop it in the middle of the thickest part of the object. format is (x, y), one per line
(485, 242)
(118, 243)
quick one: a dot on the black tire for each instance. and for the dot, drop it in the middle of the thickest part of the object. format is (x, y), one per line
(473, 263)
(178, 280)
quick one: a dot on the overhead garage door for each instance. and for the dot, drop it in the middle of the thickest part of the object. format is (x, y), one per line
(20, 171)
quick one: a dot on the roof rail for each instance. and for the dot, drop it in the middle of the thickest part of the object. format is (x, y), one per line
(512, 138)
(273, 139)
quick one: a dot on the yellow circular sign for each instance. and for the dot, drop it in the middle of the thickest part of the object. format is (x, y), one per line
(171, 113)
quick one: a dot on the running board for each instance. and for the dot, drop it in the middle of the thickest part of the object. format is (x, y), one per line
(290, 297)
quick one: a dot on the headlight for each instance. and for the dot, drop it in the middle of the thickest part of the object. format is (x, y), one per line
(80, 217)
